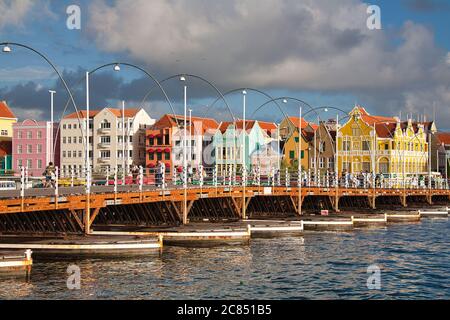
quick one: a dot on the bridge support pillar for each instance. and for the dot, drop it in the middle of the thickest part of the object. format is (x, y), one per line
(403, 201)
(335, 202)
(429, 199)
(372, 201)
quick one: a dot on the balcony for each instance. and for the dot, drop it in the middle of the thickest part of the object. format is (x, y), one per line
(104, 160)
(104, 145)
(104, 130)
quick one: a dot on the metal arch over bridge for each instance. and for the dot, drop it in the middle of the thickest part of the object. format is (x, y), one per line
(158, 207)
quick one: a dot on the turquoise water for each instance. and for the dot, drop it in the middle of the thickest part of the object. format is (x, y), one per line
(413, 258)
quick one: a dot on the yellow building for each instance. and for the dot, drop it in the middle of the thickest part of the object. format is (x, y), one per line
(7, 119)
(400, 147)
(289, 132)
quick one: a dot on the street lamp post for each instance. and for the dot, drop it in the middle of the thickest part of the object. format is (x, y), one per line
(190, 136)
(183, 79)
(87, 216)
(300, 161)
(243, 153)
(52, 156)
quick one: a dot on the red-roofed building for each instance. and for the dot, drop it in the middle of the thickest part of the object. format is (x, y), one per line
(386, 145)
(164, 141)
(117, 139)
(7, 119)
(440, 153)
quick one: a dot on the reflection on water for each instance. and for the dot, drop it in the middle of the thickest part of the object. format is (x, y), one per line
(413, 258)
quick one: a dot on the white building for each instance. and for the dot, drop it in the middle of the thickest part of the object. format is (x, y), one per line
(115, 139)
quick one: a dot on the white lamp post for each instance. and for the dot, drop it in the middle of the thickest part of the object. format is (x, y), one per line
(183, 79)
(243, 153)
(52, 156)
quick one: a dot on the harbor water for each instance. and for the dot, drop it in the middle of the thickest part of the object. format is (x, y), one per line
(413, 259)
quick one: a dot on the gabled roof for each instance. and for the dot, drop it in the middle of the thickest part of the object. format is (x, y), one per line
(443, 137)
(268, 127)
(129, 113)
(170, 121)
(82, 114)
(5, 111)
(296, 120)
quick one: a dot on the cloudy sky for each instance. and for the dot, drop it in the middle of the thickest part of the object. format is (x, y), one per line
(318, 51)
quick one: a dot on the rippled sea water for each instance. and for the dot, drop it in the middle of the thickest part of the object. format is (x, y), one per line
(414, 260)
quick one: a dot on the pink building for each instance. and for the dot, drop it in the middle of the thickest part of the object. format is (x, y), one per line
(32, 146)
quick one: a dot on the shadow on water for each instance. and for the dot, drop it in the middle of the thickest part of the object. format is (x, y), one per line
(413, 259)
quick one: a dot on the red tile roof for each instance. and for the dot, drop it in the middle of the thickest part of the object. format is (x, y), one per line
(267, 126)
(5, 111)
(443, 137)
(169, 121)
(129, 113)
(304, 123)
(81, 114)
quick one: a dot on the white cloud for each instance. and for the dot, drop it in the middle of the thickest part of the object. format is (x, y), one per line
(28, 72)
(321, 46)
(14, 12)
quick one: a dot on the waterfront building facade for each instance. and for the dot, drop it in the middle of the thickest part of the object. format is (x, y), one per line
(116, 139)
(383, 145)
(34, 146)
(228, 141)
(289, 134)
(165, 141)
(440, 153)
(323, 148)
(7, 119)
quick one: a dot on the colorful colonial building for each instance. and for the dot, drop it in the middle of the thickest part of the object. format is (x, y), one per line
(165, 141)
(34, 146)
(289, 134)
(228, 142)
(385, 145)
(116, 138)
(7, 119)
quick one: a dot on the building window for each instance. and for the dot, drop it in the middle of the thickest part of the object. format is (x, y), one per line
(291, 154)
(64, 126)
(105, 139)
(167, 156)
(19, 134)
(64, 139)
(80, 139)
(29, 135)
(356, 132)
(346, 145)
(105, 124)
(19, 149)
(64, 154)
(331, 163)
(322, 146)
(19, 163)
(74, 140)
(69, 154)
(69, 139)
(29, 163)
(39, 136)
(366, 145)
(151, 156)
(29, 148)
(4, 132)
(79, 154)
(39, 164)
(69, 126)
(105, 154)
(321, 163)
(39, 148)
(159, 156)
